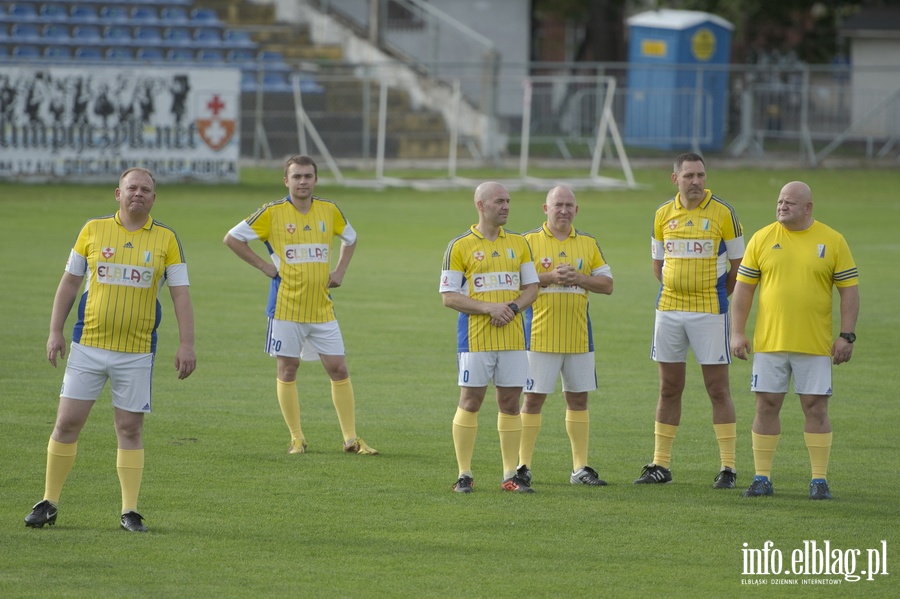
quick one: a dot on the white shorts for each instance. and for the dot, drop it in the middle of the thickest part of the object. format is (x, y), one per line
(505, 368)
(304, 340)
(129, 376)
(772, 372)
(544, 369)
(707, 334)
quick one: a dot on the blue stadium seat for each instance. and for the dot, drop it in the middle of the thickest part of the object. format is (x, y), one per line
(57, 52)
(55, 33)
(148, 36)
(174, 15)
(86, 34)
(142, 15)
(88, 53)
(177, 36)
(180, 55)
(237, 38)
(241, 56)
(207, 37)
(205, 16)
(83, 13)
(53, 13)
(24, 32)
(150, 54)
(112, 13)
(26, 51)
(210, 55)
(119, 54)
(117, 34)
(22, 12)
(273, 61)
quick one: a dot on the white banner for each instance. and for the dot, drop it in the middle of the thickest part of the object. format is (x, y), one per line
(92, 123)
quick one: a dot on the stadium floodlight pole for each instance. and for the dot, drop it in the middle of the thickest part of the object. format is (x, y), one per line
(382, 127)
(454, 129)
(526, 127)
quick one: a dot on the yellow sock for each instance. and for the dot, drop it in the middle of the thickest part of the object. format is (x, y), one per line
(819, 447)
(510, 429)
(726, 435)
(578, 426)
(465, 429)
(764, 453)
(531, 427)
(60, 457)
(290, 407)
(345, 404)
(665, 437)
(130, 465)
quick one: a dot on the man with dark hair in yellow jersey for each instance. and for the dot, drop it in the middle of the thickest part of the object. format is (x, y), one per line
(488, 276)
(696, 246)
(796, 262)
(560, 342)
(126, 257)
(298, 231)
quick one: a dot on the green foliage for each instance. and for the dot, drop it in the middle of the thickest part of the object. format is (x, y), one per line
(233, 515)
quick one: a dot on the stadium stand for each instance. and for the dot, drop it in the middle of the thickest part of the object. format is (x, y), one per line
(156, 31)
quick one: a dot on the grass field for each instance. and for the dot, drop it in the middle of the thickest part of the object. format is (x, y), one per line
(233, 515)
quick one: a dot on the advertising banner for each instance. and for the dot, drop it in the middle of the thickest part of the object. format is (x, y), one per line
(92, 123)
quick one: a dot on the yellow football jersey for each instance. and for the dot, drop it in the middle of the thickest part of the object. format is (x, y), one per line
(796, 272)
(119, 309)
(559, 321)
(490, 271)
(695, 246)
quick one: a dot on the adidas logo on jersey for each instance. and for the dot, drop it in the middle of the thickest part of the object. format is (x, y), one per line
(777, 246)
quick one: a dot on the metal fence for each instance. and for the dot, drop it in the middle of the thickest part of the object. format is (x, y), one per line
(810, 112)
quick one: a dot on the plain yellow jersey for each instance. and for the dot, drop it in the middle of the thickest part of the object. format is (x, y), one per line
(119, 309)
(558, 321)
(796, 272)
(695, 246)
(489, 271)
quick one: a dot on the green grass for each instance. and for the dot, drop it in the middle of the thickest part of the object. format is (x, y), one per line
(232, 515)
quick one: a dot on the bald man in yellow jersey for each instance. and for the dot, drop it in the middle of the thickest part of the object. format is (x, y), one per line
(488, 276)
(796, 262)
(696, 246)
(298, 232)
(558, 334)
(125, 257)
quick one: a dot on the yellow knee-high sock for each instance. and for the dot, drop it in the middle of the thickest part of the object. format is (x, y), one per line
(665, 437)
(578, 426)
(345, 405)
(531, 427)
(60, 458)
(465, 429)
(726, 435)
(819, 447)
(289, 402)
(510, 429)
(764, 447)
(130, 466)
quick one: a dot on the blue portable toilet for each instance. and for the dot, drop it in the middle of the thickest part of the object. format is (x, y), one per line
(677, 96)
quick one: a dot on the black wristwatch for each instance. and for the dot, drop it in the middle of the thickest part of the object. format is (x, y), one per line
(515, 310)
(850, 337)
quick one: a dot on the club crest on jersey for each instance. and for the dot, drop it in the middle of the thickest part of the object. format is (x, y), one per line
(291, 228)
(673, 224)
(108, 252)
(821, 250)
(479, 255)
(546, 262)
(511, 254)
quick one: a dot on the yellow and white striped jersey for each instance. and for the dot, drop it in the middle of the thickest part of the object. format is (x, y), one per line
(796, 271)
(489, 271)
(119, 309)
(558, 321)
(695, 246)
(300, 245)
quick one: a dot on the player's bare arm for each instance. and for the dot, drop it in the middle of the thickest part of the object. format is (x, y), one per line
(243, 251)
(62, 305)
